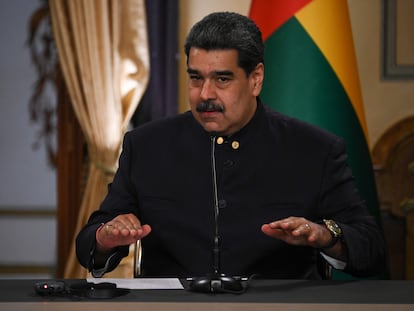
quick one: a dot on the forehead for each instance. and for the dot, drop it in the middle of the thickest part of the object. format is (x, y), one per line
(212, 60)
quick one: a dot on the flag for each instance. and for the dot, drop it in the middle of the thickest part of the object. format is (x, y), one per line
(311, 74)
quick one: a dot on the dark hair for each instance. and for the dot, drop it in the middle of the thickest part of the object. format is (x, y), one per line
(228, 30)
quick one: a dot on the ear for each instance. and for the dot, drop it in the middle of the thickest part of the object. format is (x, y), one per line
(257, 77)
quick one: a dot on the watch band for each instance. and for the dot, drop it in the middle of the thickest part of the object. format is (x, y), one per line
(335, 231)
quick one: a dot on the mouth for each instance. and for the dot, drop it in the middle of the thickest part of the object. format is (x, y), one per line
(208, 115)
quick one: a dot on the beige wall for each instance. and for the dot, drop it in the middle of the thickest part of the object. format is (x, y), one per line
(386, 102)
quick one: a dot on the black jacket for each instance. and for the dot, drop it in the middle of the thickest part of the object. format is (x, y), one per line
(279, 167)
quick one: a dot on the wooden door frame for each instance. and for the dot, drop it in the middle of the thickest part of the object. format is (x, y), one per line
(71, 148)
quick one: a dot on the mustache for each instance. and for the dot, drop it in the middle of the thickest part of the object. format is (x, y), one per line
(208, 106)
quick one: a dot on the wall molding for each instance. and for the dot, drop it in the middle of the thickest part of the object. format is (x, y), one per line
(392, 70)
(27, 212)
(27, 269)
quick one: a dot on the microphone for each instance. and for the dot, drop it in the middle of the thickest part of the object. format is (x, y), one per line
(216, 282)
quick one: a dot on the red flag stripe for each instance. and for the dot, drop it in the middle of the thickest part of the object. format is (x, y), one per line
(270, 15)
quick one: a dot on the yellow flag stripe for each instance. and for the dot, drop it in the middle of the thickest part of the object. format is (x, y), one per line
(328, 24)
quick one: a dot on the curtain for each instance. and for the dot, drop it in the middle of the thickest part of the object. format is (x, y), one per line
(160, 97)
(103, 52)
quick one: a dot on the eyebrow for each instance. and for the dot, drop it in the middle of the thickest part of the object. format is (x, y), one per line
(217, 73)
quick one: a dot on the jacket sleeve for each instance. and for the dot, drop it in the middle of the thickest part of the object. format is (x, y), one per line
(341, 202)
(120, 199)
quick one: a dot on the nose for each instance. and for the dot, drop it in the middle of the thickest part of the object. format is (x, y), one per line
(208, 90)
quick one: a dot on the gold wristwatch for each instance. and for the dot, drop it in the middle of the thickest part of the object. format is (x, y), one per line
(335, 231)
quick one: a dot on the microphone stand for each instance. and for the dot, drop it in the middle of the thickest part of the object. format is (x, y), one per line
(217, 282)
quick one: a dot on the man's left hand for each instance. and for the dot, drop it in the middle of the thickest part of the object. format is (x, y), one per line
(298, 231)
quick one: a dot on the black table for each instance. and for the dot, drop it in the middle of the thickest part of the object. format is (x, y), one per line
(260, 295)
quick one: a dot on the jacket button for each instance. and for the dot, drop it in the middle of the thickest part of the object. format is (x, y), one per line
(235, 145)
(222, 203)
(220, 140)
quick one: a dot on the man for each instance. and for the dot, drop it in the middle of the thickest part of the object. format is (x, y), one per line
(230, 186)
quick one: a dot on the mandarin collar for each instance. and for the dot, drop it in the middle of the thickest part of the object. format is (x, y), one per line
(238, 139)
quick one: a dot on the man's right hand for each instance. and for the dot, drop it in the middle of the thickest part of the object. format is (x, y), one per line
(122, 230)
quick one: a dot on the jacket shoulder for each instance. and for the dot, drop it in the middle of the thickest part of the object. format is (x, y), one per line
(298, 129)
(165, 127)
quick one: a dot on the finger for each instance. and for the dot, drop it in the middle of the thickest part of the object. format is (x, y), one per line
(280, 224)
(273, 232)
(289, 223)
(140, 232)
(316, 236)
(126, 224)
(145, 230)
(126, 230)
(113, 230)
(131, 236)
(108, 228)
(303, 229)
(113, 238)
(136, 228)
(283, 235)
(133, 221)
(122, 223)
(129, 221)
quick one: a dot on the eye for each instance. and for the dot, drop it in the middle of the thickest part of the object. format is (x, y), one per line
(194, 77)
(223, 79)
(195, 80)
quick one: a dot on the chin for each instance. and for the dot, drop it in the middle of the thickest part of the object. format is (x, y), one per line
(209, 127)
(214, 129)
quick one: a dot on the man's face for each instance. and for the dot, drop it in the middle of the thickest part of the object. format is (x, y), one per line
(222, 98)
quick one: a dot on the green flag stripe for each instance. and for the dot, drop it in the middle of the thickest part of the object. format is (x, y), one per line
(300, 82)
